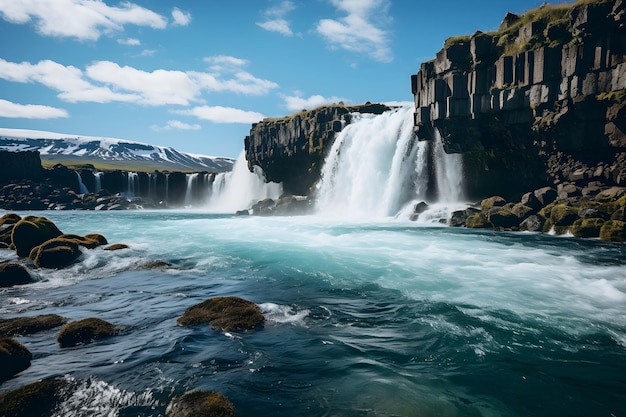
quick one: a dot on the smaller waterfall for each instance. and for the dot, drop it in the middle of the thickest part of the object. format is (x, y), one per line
(191, 180)
(449, 173)
(240, 188)
(98, 178)
(133, 184)
(152, 186)
(167, 188)
(81, 186)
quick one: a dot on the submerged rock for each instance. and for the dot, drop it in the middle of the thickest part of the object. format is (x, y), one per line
(14, 274)
(85, 331)
(14, 358)
(29, 325)
(39, 399)
(200, 404)
(117, 246)
(225, 313)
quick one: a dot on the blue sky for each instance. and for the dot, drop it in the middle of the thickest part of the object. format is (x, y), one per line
(195, 74)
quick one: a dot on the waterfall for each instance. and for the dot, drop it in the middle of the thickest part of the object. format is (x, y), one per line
(240, 188)
(191, 179)
(81, 186)
(167, 188)
(377, 168)
(133, 184)
(98, 178)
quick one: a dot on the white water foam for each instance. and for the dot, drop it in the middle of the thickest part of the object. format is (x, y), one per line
(283, 314)
(239, 189)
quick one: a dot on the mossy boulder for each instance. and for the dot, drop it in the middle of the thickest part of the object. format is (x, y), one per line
(477, 221)
(587, 227)
(55, 253)
(39, 399)
(29, 325)
(563, 215)
(200, 404)
(14, 274)
(522, 211)
(532, 223)
(85, 331)
(491, 202)
(224, 313)
(504, 219)
(613, 231)
(117, 246)
(14, 358)
(32, 231)
(90, 241)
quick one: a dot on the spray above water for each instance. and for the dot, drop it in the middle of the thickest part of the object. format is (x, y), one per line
(239, 189)
(377, 168)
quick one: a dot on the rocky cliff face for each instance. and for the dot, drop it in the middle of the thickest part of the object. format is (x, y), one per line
(540, 102)
(18, 165)
(291, 150)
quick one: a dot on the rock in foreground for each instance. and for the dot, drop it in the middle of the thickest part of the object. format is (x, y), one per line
(14, 358)
(200, 404)
(225, 313)
(29, 325)
(39, 399)
(85, 331)
(14, 274)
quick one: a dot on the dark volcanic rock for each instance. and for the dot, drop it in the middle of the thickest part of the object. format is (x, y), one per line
(14, 358)
(14, 274)
(200, 404)
(85, 331)
(117, 246)
(39, 399)
(224, 313)
(28, 325)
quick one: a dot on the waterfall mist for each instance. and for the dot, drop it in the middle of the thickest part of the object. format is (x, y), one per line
(239, 189)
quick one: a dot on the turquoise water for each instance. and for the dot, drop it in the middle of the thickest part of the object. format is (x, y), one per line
(385, 318)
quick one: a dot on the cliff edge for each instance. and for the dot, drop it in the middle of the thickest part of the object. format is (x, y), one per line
(291, 149)
(542, 101)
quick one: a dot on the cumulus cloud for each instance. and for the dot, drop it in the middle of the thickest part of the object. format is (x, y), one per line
(106, 81)
(275, 18)
(129, 42)
(219, 114)
(175, 124)
(362, 29)
(297, 103)
(12, 110)
(80, 19)
(180, 17)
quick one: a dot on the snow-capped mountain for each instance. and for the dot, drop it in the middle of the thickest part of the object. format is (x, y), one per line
(91, 150)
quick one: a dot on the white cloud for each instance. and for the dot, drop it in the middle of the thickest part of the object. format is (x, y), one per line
(219, 114)
(129, 42)
(180, 17)
(80, 19)
(12, 110)
(361, 30)
(106, 81)
(297, 103)
(275, 18)
(175, 124)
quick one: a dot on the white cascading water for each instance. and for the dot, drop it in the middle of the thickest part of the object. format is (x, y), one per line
(98, 179)
(376, 168)
(239, 189)
(191, 180)
(133, 184)
(81, 185)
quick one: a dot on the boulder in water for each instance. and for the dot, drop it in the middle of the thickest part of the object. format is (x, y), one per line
(477, 221)
(32, 231)
(85, 331)
(90, 241)
(39, 399)
(587, 227)
(491, 202)
(55, 253)
(417, 210)
(7, 223)
(200, 404)
(29, 325)
(613, 231)
(117, 246)
(533, 223)
(225, 313)
(14, 274)
(14, 358)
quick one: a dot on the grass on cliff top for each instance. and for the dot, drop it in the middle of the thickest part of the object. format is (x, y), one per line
(101, 165)
(304, 113)
(546, 15)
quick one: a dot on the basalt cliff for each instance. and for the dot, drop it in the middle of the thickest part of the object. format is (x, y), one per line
(542, 101)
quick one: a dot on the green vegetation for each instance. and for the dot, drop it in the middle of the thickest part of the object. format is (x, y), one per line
(617, 96)
(48, 162)
(456, 40)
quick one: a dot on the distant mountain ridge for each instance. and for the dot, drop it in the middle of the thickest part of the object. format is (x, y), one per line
(113, 153)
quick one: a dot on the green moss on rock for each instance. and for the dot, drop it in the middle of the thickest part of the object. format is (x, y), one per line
(39, 399)
(85, 331)
(224, 313)
(14, 358)
(562, 215)
(587, 227)
(613, 231)
(200, 404)
(477, 221)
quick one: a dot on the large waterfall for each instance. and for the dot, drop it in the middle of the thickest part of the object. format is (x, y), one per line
(377, 168)
(239, 189)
